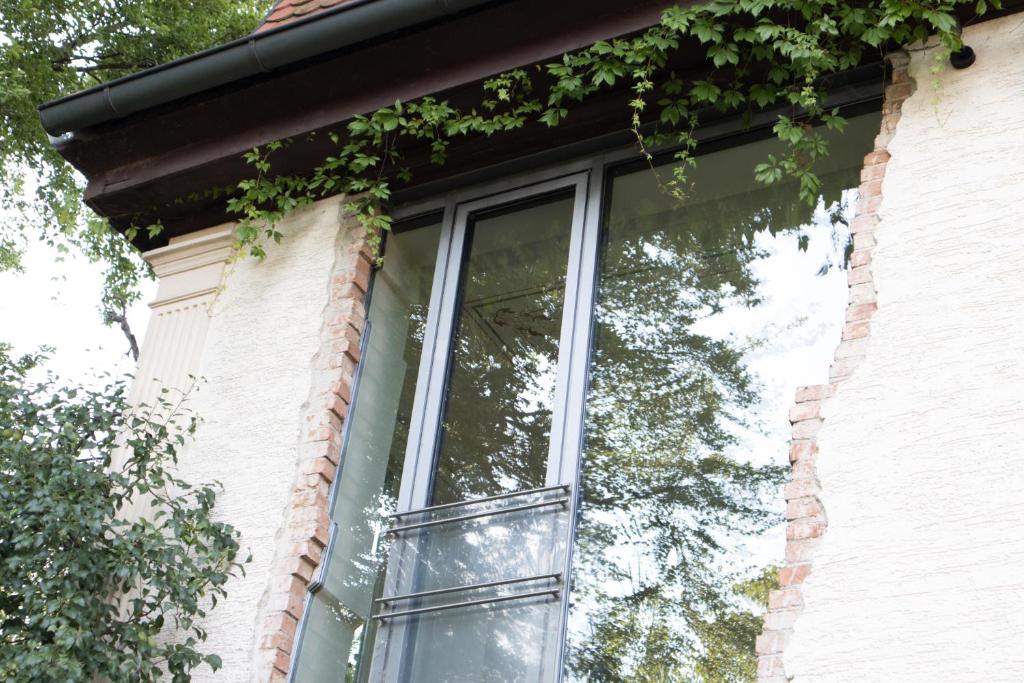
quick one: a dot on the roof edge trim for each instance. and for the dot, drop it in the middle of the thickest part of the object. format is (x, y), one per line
(262, 52)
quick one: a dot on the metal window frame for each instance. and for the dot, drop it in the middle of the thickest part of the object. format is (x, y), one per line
(584, 179)
(441, 322)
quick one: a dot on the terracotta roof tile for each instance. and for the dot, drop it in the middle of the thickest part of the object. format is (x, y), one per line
(285, 11)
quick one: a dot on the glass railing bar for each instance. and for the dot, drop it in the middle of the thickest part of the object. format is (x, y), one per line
(553, 592)
(473, 586)
(500, 496)
(477, 515)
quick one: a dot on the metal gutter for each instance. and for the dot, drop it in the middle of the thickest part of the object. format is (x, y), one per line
(353, 22)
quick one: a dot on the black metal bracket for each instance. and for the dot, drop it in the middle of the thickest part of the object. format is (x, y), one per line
(964, 57)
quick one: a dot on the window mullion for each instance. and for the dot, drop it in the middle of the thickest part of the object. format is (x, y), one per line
(579, 344)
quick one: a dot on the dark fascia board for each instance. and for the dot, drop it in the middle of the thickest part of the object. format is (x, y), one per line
(353, 22)
(597, 125)
(160, 164)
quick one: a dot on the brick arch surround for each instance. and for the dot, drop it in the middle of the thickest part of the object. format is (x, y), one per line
(805, 512)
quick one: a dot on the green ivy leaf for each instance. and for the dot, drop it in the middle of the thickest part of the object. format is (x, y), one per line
(704, 91)
(724, 53)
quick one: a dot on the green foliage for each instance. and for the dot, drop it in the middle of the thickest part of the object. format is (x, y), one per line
(731, 633)
(51, 49)
(85, 587)
(759, 54)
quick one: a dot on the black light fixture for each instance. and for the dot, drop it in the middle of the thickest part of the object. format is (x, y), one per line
(964, 57)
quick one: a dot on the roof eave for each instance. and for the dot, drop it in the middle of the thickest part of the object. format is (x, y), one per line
(263, 52)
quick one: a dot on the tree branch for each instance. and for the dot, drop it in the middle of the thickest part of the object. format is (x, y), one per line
(122, 320)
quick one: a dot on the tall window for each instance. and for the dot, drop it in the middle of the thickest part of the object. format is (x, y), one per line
(565, 452)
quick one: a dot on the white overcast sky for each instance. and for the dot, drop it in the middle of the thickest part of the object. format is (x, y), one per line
(56, 304)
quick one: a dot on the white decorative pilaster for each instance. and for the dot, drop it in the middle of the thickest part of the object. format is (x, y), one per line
(189, 270)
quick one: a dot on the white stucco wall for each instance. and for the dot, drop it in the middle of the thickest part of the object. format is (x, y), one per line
(257, 364)
(920, 576)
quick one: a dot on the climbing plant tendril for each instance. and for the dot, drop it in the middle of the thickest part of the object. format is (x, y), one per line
(760, 54)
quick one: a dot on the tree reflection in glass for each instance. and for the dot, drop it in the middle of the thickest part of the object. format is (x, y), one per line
(495, 434)
(679, 473)
(514, 640)
(504, 359)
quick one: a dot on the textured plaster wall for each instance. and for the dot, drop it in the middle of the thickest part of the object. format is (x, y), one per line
(256, 363)
(920, 576)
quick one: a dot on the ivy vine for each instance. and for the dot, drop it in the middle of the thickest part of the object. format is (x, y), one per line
(760, 54)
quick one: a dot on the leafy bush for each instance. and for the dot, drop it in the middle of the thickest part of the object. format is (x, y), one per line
(86, 586)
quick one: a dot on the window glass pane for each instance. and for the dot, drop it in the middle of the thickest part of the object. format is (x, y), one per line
(511, 637)
(497, 419)
(337, 623)
(709, 313)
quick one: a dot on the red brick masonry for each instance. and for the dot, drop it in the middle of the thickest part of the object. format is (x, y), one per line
(804, 509)
(303, 535)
